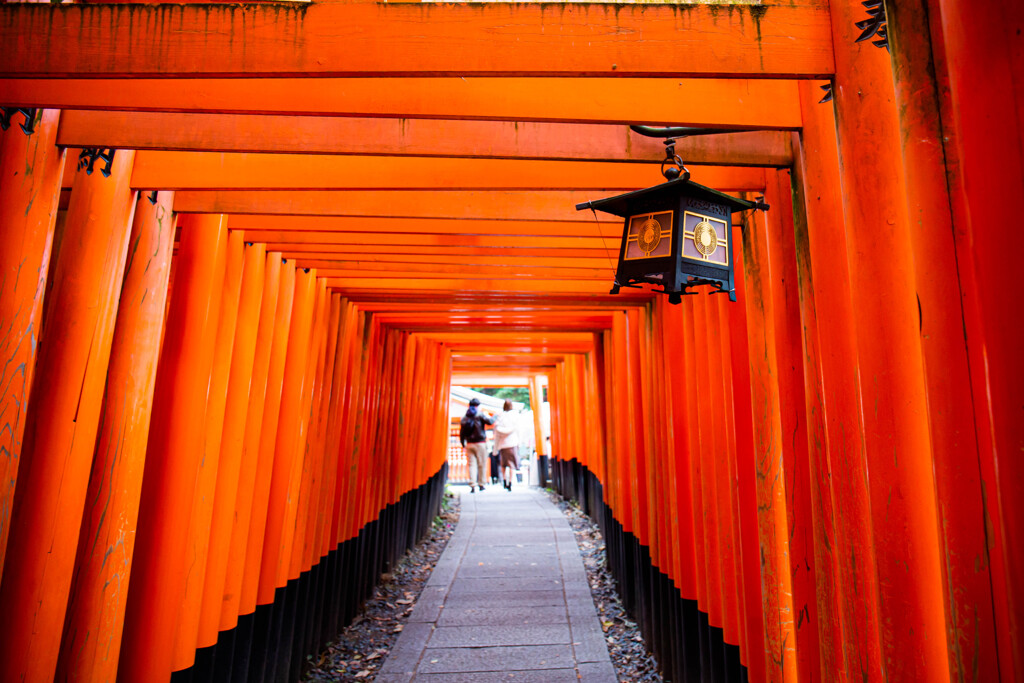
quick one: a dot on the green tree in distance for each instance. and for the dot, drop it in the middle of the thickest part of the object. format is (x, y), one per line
(517, 394)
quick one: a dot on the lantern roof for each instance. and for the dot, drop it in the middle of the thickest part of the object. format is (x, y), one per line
(622, 205)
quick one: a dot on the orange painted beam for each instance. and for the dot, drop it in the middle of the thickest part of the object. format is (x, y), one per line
(306, 241)
(562, 286)
(537, 324)
(222, 171)
(328, 251)
(434, 270)
(481, 274)
(698, 102)
(541, 305)
(28, 214)
(427, 39)
(414, 262)
(416, 137)
(471, 349)
(454, 339)
(255, 223)
(495, 205)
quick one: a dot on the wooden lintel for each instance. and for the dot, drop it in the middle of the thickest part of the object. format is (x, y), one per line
(698, 102)
(233, 171)
(510, 39)
(334, 224)
(500, 205)
(410, 137)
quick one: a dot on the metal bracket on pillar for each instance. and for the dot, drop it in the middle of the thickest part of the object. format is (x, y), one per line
(828, 93)
(6, 113)
(89, 155)
(875, 24)
(152, 197)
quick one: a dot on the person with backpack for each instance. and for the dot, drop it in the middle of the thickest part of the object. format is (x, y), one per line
(473, 436)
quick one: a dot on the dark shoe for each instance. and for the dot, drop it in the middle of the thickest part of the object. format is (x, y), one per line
(472, 489)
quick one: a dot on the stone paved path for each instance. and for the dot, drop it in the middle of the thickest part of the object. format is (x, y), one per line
(508, 600)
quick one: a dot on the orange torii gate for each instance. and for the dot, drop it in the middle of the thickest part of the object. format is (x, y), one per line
(206, 458)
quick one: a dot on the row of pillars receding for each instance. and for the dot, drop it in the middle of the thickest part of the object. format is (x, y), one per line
(882, 382)
(172, 426)
(897, 301)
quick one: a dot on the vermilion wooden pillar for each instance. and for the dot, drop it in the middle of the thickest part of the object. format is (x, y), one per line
(785, 288)
(175, 449)
(718, 546)
(845, 557)
(228, 473)
(325, 412)
(536, 399)
(704, 464)
(251, 583)
(287, 452)
(897, 444)
(60, 429)
(96, 606)
(299, 501)
(769, 445)
(218, 346)
(746, 473)
(692, 463)
(343, 373)
(820, 531)
(970, 620)
(30, 173)
(251, 443)
(980, 65)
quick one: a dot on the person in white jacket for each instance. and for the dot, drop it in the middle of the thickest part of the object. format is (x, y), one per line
(506, 441)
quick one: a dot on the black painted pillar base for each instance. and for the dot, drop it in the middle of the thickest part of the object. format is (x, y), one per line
(686, 646)
(271, 644)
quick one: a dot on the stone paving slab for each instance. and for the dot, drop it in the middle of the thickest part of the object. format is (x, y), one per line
(493, 636)
(497, 585)
(527, 598)
(496, 571)
(501, 658)
(602, 672)
(513, 617)
(507, 601)
(545, 676)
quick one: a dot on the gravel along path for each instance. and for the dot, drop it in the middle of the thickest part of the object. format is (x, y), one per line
(632, 662)
(362, 647)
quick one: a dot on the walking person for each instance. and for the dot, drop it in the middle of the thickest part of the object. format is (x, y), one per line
(473, 436)
(506, 440)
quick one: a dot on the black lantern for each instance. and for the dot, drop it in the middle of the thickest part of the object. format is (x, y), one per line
(677, 234)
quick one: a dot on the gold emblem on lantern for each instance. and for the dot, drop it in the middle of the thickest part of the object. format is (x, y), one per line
(649, 236)
(705, 238)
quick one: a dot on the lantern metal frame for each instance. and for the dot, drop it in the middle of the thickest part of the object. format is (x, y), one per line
(697, 221)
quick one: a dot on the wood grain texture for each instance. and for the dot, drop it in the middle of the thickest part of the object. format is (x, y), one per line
(427, 39)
